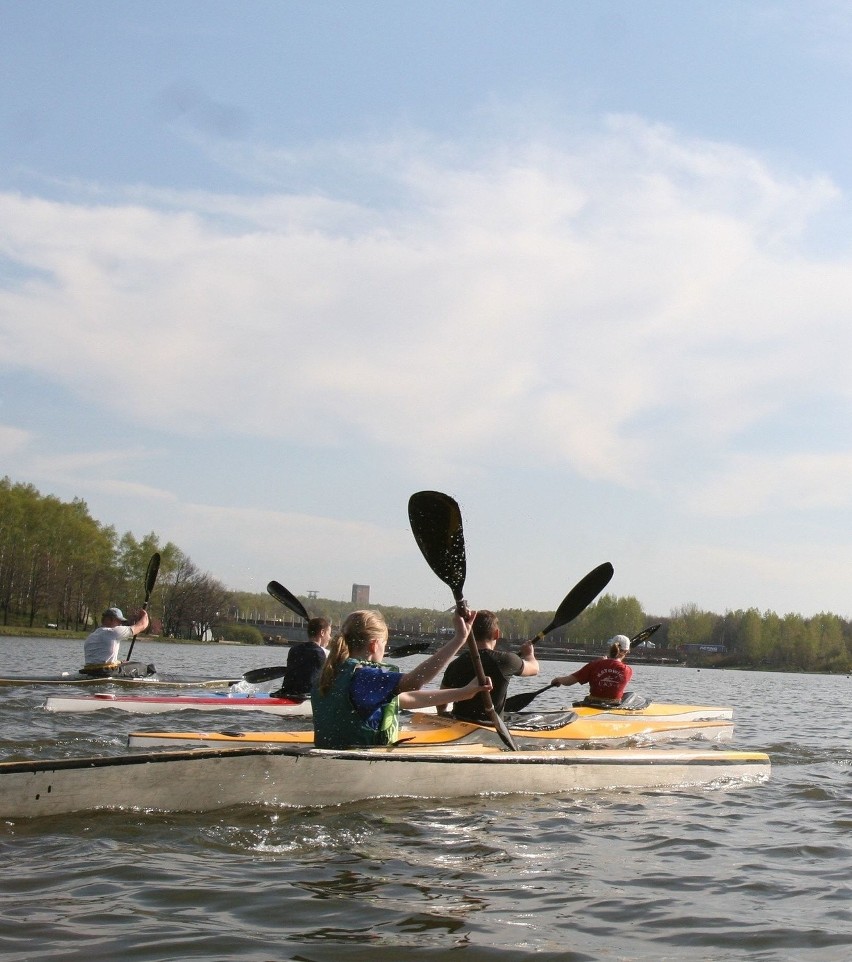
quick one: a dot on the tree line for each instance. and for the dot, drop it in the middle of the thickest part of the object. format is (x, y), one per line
(737, 639)
(58, 565)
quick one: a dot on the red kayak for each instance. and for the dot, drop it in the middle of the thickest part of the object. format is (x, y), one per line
(154, 704)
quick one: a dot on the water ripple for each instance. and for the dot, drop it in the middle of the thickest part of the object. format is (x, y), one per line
(720, 874)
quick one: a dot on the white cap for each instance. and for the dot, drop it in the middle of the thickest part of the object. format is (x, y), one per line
(622, 641)
(114, 613)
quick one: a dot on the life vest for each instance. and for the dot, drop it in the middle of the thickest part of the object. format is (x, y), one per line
(338, 725)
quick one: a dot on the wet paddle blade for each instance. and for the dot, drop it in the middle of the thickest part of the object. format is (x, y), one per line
(579, 598)
(644, 635)
(574, 603)
(151, 573)
(402, 651)
(258, 675)
(288, 599)
(151, 576)
(436, 523)
(519, 702)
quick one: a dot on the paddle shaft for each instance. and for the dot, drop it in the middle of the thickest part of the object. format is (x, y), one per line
(487, 701)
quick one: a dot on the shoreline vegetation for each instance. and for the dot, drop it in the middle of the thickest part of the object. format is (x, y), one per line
(11, 631)
(60, 568)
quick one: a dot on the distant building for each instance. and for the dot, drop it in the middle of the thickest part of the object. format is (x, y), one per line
(360, 594)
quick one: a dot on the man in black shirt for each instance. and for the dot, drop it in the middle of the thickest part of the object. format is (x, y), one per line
(305, 661)
(499, 666)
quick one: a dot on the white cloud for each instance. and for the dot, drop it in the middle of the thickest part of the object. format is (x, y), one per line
(598, 304)
(751, 485)
(303, 551)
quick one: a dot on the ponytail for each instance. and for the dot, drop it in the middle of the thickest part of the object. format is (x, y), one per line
(356, 633)
(338, 652)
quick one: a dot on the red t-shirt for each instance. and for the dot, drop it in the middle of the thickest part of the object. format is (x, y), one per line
(606, 677)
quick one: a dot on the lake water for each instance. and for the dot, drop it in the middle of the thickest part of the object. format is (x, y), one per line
(759, 872)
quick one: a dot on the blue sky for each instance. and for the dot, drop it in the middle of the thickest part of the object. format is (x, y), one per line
(268, 268)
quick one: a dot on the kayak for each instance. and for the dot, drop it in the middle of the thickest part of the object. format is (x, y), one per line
(581, 725)
(157, 704)
(73, 678)
(211, 779)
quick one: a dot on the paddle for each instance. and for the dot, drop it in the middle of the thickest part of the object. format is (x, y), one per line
(520, 702)
(644, 635)
(150, 580)
(289, 600)
(258, 675)
(436, 523)
(402, 651)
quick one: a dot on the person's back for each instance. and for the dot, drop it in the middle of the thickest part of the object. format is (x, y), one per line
(607, 677)
(499, 666)
(101, 647)
(305, 662)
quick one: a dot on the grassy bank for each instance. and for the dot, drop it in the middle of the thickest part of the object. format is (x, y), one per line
(19, 631)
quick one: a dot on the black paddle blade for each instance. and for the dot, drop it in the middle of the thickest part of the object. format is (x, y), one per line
(579, 597)
(402, 651)
(151, 575)
(257, 675)
(288, 599)
(520, 702)
(436, 523)
(644, 635)
(150, 580)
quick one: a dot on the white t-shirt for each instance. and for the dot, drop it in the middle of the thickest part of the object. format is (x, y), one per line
(101, 647)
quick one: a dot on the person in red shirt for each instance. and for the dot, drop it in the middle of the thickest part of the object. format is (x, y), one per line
(606, 677)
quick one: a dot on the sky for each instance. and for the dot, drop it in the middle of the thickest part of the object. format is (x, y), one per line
(269, 267)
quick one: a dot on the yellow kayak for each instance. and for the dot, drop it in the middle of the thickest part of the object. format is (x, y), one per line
(611, 726)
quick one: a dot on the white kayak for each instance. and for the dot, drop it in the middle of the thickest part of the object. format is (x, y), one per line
(153, 681)
(159, 704)
(582, 725)
(210, 779)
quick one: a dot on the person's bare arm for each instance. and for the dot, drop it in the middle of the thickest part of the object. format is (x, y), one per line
(141, 623)
(564, 680)
(436, 696)
(428, 669)
(527, 655)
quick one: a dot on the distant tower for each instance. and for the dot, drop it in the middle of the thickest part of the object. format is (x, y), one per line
(313, 594)
(360, 594)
